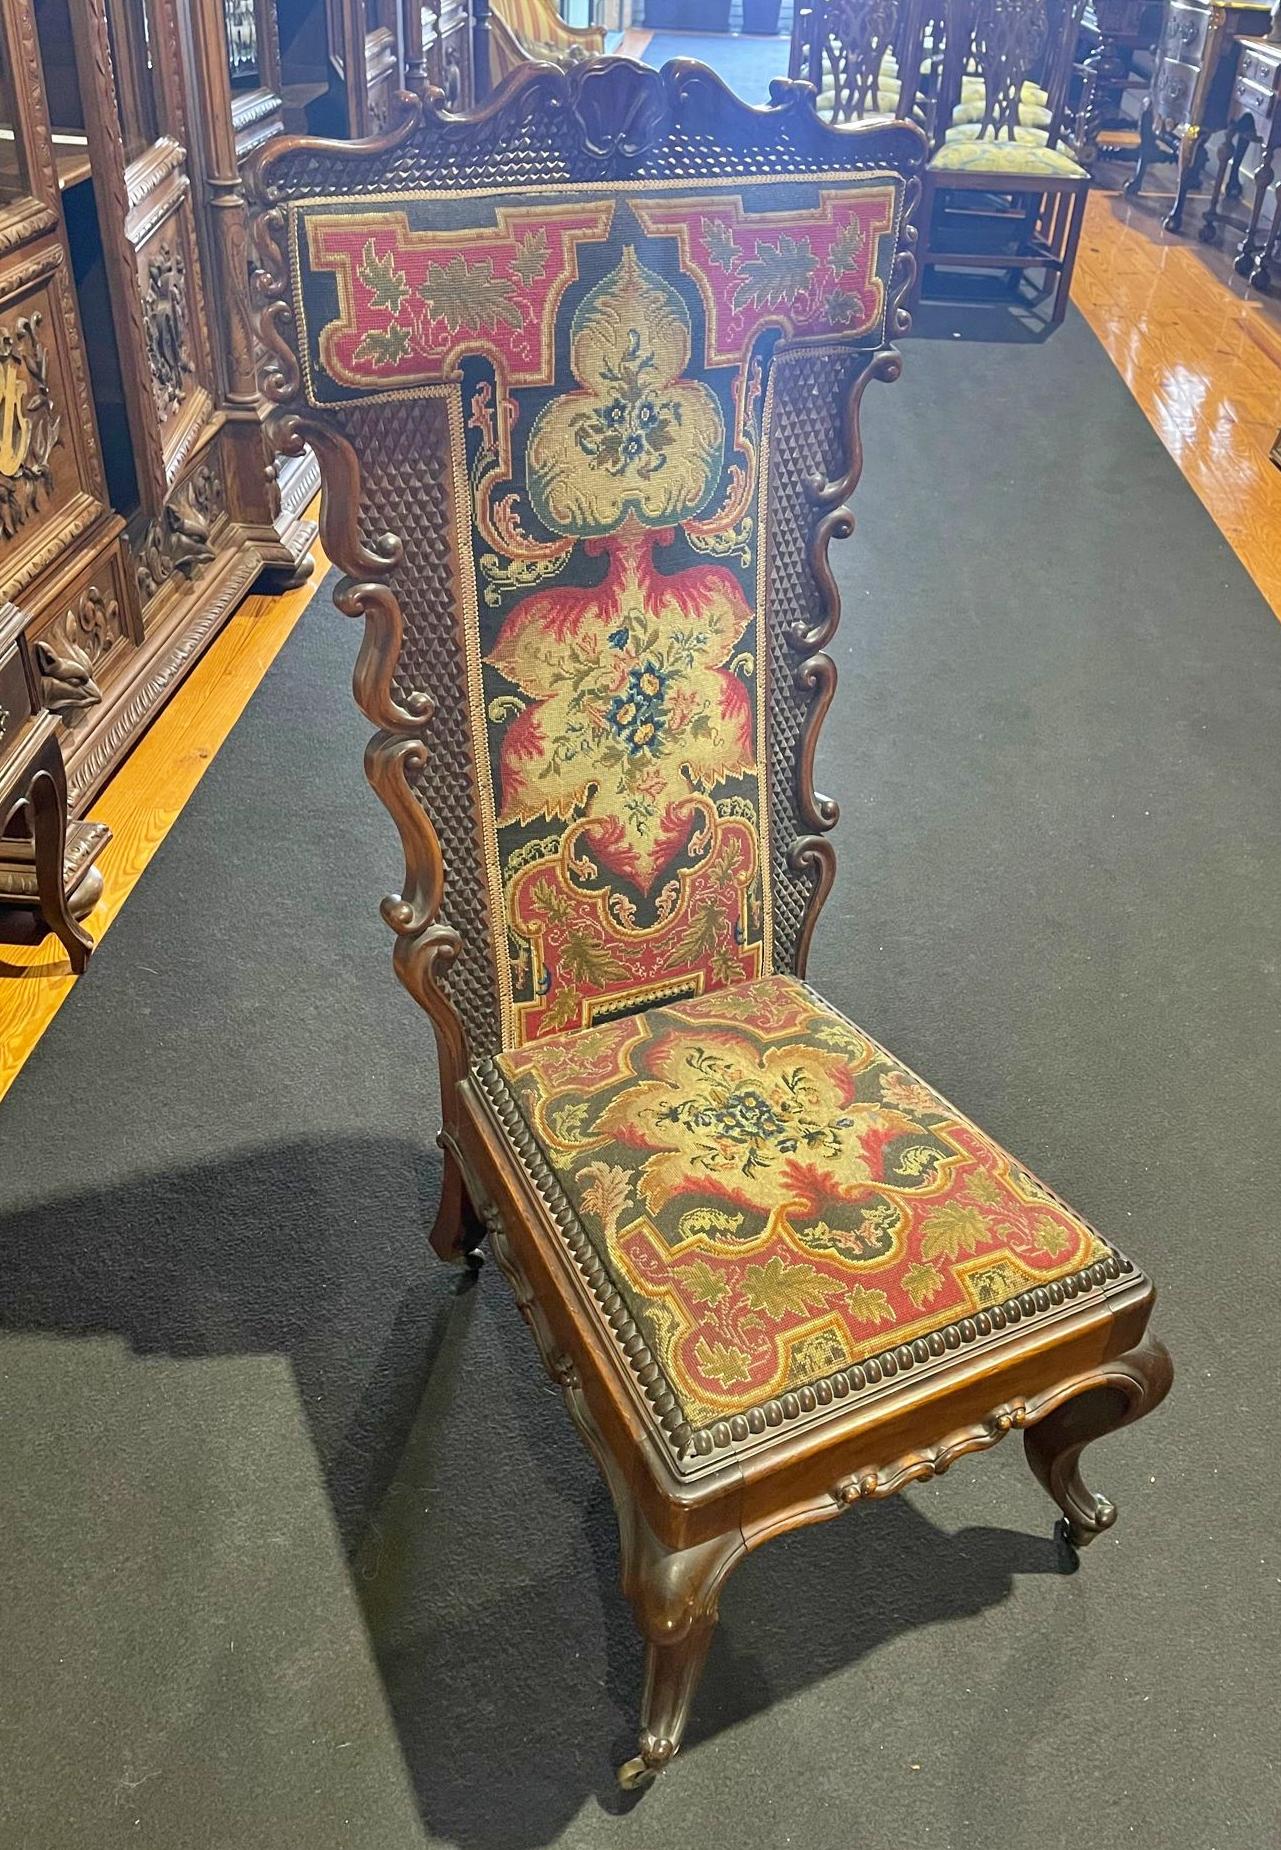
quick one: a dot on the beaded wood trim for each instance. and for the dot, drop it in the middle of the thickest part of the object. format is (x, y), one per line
(691, 1447)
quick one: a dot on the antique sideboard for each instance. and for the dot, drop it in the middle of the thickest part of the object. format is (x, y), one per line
(1190, 94)
(138, 498)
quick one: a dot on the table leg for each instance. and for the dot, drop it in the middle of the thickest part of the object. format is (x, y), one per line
(1236, 139)
(1249, 247)
(1191, 160)
(1148, 151)
(1261, 275)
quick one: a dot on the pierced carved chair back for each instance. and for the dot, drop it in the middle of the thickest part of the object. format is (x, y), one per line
(583, 371)
(1008, 44)
(866, 57)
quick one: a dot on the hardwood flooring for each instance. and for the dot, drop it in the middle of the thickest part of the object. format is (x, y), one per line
(145, 798)
(1201, 352)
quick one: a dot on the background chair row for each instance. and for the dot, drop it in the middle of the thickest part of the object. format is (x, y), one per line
(988, 81)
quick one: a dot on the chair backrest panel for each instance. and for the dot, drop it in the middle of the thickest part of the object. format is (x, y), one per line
(594, 364)
(866, 57)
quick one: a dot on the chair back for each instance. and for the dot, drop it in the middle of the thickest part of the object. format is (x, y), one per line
(521, 30)
(1007, 44)
(582, 372)
(862, 56)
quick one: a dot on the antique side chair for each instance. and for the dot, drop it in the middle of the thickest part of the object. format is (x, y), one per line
(1001, 191)
(583, 370)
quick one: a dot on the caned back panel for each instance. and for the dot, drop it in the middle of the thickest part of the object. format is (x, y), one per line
(595, 351)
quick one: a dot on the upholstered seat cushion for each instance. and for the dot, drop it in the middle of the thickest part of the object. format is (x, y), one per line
(1018, 159)
(1022, 137)
(1031, 115)
(772, 1197)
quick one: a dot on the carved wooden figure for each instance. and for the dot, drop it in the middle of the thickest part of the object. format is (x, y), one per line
(583, 371)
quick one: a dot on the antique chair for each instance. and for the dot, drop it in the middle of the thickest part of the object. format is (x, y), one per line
(525, 30)
(48, 880)
(1000, 192)
(853, 52)
(583, 371)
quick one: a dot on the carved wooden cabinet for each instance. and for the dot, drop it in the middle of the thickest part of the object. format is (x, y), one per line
(438, 49)
(1191, 87)
(138, 498)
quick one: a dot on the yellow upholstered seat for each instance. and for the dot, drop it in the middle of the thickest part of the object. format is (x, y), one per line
(1023, 137)
(1031, 115)
(772, 1195)
(1015, 158)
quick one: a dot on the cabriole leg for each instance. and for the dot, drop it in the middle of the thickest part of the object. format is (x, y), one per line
(1118, 1393)
(674, 1594)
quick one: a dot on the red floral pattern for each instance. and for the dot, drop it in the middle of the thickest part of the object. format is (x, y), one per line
(775, 1196)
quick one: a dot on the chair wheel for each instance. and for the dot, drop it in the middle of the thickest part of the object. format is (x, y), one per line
(635, 1775)
(1065, 1543)
(1208, 234)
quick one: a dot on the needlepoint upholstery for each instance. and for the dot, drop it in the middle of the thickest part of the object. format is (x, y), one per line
(1005, 157)
(776, 1197)
(606, 357)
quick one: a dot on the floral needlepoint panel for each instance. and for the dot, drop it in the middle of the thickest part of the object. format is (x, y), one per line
(774, 1196)
(607, 357)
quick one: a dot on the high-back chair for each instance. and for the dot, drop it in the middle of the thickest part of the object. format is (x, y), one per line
(998, 105)
(521, 30)
(583, 371)
(856, 54)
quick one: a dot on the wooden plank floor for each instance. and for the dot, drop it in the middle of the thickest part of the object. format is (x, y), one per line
(144, 800)
(1200, 352)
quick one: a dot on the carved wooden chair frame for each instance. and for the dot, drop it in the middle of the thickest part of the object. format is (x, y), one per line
(852, 40)
(999, 42)
(1068, 1361)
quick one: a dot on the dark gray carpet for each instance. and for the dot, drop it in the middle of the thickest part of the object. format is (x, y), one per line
(298, 1547)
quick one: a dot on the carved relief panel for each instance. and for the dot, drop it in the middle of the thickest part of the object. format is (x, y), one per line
(138, 136)
(51, 482)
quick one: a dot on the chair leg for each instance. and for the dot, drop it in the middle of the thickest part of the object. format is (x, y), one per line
(1068, 261)
(1117, 1393)
(457, 1230)
(49, 833)
(674, 1594)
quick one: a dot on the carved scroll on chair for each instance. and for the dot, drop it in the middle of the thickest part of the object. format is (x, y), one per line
(48, 880)
(587, 423)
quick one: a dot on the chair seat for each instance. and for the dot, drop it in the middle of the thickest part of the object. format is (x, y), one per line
(18, 863)
(772, 1211)
(1023, 137)
(1031, 115)
(1018, 159)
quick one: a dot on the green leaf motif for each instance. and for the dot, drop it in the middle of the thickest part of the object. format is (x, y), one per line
(847, 247)
(469, 295)
(951, 1232)
(779, 1290)
(843, 309)
(531, 257)
(386, 284)
(721, 247)
(777, 273)
(723, 1362)
(922, 1283)
(385, 348)
(869, 1306)
(703, 1284)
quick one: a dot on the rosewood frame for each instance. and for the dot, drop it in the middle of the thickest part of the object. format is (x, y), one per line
(1065, 1362)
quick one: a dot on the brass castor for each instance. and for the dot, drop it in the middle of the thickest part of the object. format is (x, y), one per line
(635, 1775)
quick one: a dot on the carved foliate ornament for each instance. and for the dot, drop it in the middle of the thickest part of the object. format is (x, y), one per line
(176, 542)
(30, 426)
(165, 308)
(69, 652)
